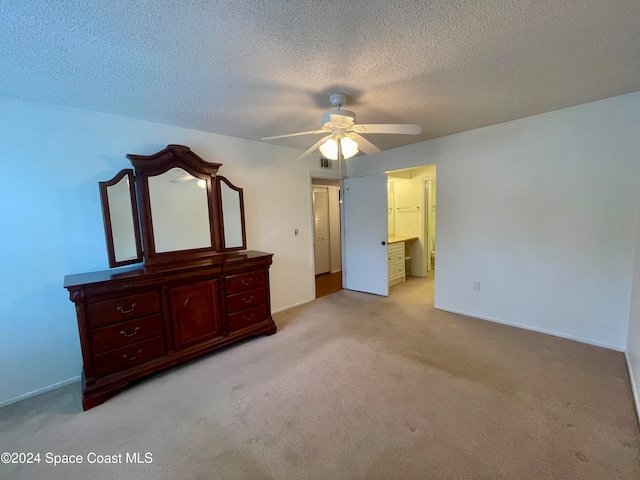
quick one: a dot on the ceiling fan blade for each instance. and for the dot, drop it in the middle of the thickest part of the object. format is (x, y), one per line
(310, 132)
(399, 128)
(364, 145)
(315, 146)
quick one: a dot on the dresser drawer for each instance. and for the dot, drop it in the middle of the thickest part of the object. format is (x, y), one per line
(194, 275)
(125, 333)
(123, 308)
(247, 317)
(244, 282)
(128, 356)
(124, 287)
(247, 299)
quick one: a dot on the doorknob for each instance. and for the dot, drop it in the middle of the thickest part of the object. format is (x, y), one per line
(384, 243)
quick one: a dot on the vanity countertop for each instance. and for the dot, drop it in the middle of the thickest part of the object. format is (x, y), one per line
(395, 239)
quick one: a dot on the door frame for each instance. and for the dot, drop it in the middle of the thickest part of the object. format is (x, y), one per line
(329, 250)
(427, 207)
(316, 175)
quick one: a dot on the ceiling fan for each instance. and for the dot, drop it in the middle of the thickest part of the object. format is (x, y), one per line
(342, 137)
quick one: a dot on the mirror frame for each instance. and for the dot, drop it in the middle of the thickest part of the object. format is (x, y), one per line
(220, 179)
(106, 218)
(151, 165)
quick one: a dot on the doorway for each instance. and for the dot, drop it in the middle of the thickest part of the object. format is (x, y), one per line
(321, 230)
(412, 219)
(327, 249)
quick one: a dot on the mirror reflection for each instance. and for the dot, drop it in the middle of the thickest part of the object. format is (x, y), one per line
(122, 221)
(180, 211)
(231, 216)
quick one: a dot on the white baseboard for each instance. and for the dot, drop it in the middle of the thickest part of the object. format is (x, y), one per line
(39, 391)
(288, 307)
(634, 386)
(588, 341)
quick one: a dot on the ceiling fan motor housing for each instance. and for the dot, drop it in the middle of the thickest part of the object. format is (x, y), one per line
(349, 118)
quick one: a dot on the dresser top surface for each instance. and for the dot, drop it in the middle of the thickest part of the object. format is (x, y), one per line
(143, 271)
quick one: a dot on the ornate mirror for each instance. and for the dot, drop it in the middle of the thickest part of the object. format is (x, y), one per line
(186, 211)
(231, 201)
(178, 208)
(179, 211)
(120, 217)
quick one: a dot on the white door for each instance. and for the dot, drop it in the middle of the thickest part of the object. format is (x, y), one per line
(321, 246)
(365, 234)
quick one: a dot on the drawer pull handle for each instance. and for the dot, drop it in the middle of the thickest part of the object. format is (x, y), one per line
(248, 300)
(135, 332)
(122, 310)
(249, 317)
(127, 357)
(246, 283)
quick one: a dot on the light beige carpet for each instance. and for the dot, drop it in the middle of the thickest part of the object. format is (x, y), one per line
(355, 386)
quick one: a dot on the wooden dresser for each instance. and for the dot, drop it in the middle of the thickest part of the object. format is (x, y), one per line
(135, 322)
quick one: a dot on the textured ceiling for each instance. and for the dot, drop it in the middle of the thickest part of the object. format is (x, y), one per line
(254, 68)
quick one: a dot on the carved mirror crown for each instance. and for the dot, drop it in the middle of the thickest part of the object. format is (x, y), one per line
(186, 209)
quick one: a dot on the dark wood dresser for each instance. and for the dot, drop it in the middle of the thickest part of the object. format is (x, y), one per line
(136, 322)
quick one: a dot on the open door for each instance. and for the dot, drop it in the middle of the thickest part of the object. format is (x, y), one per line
(365, 234)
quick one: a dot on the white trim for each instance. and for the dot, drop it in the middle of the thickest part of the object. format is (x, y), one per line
(425, 266)
(588, 341)
(634, 387)
(288, 307)
(39, 391)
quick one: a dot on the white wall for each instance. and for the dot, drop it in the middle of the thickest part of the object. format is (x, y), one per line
(391, 207)
(51, 225)
(408, 206)
(543, 212)
(633, 336)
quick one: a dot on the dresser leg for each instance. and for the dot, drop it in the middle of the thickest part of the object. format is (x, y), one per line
(269, 330)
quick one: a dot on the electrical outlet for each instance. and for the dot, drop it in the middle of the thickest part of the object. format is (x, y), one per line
(296, 232)
(407, 224)
(476, 285)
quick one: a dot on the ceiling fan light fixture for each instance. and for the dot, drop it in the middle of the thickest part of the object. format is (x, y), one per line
(340, 125)
(330, 148)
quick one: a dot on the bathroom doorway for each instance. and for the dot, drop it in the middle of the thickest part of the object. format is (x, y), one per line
(412, 218)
